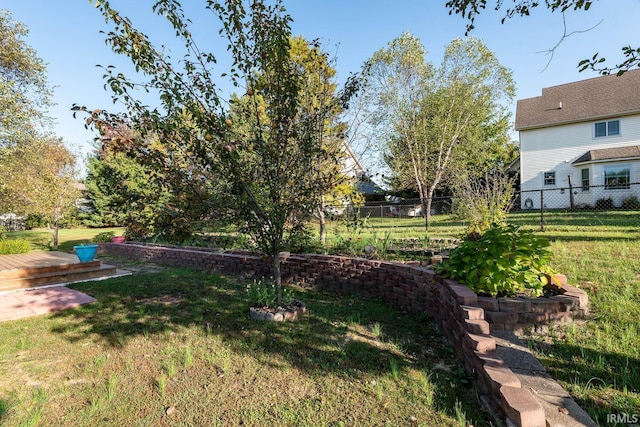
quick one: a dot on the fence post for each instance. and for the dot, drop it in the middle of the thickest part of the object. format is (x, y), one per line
(570, 192)
(541, 210)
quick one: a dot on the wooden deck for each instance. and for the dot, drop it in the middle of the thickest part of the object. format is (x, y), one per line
(35, 260)
(37, 269)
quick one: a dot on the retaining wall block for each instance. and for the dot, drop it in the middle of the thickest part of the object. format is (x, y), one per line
(501, 317)
(488, 357)
(462, 293)
(559, 279)
(521, 407)
(477, 326)
(545, 305)
(472, 313)
(488, 303)
(574, 292)
(533, 318)
(498, 376)
(481, 343)
(518, 305)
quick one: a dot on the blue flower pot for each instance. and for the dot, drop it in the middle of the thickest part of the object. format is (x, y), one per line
(86, 253)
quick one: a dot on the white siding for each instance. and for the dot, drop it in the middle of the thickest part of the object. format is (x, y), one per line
(554, 149)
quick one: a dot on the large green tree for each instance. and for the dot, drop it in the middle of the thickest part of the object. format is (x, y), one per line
(147, 182)
(41, 176)
(37, 171)
(24, 91)
(319, 77)
(271, 183)
(436, 122)
(470, 9)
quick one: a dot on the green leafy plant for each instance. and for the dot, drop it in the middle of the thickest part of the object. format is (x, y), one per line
(604, 203)
(265, 294)
(103, 237)
(483, 202)
(631, 202)
(505, 261)
(14, 246)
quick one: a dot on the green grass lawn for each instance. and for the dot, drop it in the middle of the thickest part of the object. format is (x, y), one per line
(41, 240)
(597, 360)
(176, 347)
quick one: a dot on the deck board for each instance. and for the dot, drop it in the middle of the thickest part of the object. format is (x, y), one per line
(36, 260)
(40, 269)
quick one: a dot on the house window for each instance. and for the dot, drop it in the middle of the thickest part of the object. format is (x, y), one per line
(617, 177)
(549, 178)
(585, 179)
(610, 128)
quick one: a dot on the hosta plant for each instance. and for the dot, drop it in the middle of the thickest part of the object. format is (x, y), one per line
(504, 261)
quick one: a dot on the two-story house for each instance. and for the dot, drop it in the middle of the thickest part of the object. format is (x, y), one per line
(580, 143)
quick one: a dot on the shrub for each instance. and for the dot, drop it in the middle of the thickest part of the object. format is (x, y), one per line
(34, 221)
(14, 246)
(103, 237)
(2, 233)
(604, 204)
(504, 261)
(484, 202)
(631, 203)
(263, 294)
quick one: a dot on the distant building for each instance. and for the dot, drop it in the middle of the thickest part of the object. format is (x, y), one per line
(580, 143)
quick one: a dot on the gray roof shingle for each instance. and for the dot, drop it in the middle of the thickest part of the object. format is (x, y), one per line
(616, 153)
(585, 100)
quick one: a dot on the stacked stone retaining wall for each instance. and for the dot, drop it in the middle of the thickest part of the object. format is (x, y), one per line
(461, 315)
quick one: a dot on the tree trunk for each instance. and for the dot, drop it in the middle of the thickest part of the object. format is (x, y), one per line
(277, 276)
(323, 226)
(426, 206)
(425, 201)
(54, 233)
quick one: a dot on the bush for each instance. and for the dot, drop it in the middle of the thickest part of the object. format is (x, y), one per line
(505, 261)
(484, 202)
(14, 246)
(631, 203)
(263, 294)
(2, 233)
(604, 204)
(34, 221)
(103, 237)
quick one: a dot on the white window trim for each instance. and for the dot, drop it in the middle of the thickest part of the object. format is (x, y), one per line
(593, 129)
(544, 181)
(588, 180)
(604, 176)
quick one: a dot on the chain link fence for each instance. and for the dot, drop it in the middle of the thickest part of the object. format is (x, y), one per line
(615, 205)
(12, 222)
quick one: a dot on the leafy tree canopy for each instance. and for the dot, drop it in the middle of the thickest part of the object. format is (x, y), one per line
(24, 91)
(265, 147)
(41, 179)
(436, 123)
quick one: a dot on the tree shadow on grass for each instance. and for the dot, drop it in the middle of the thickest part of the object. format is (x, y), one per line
(335, 336)
(611, 379)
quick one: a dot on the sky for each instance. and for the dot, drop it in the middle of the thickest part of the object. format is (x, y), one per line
(66, 35)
